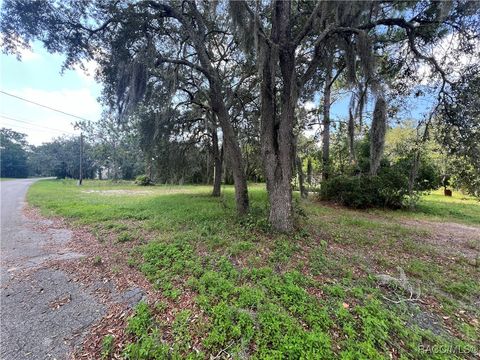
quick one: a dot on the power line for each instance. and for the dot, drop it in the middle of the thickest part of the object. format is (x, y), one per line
(23, 128)
(44, 106)
(32, 124)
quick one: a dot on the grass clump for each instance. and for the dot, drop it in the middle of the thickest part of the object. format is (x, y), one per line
(124, 237)
(108, 343)
(97, 260)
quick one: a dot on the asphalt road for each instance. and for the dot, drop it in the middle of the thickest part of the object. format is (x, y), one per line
(43, 312)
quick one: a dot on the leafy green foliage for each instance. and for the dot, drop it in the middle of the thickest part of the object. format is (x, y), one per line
(428, 175)
(143, 180)
(148, 346)
(458, 123)
(386, 190)
(228, 324)
(60, 158)
(13, 154)
(285, 337)
(465, 175)
(395, 186)
(141, 321)
(389, 189)
(181, 331)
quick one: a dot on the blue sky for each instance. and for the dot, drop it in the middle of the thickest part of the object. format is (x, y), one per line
(37, 77)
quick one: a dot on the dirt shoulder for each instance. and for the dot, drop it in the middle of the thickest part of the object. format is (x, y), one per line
(104, 274)
(450, 238)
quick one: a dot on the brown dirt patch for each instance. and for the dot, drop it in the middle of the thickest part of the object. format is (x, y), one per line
(449, 238)
(119, 192)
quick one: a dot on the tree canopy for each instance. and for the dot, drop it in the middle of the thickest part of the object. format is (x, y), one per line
(13, 154)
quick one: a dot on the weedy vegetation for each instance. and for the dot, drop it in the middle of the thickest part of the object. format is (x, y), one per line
(236, 289)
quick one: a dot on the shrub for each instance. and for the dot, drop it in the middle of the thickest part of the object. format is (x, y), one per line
(388, 189)
(428, 176)
(143, 180)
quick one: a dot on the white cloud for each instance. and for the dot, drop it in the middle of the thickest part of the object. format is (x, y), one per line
(79, 101)
(309, 105)
(41, 124)
(88, 73)
(28, 55)
(447, 55)
(24, 49)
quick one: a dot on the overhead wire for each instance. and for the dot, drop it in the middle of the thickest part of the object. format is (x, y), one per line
(44, 106)
(21, 128)
(34, 124)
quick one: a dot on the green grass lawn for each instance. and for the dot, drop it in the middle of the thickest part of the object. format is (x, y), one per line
(238, 290)
(458, 208)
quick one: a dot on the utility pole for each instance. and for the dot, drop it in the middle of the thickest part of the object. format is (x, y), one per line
(80, 177)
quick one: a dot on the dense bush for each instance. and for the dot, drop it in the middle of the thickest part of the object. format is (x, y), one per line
(389, 189)
(428, 174)
(143, 180)
(465, 176)
(13, 154)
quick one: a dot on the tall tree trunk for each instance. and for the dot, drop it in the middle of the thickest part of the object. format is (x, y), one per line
(227, 174)
(207, 176)
(114, 162)
(301, 178)
(413, 174)
(351, 136)
(218, 160)
(149, 166)
(309, 171)
(326, 121)
(277, 131)
(232, 148)
(377, 134)
(217, 102)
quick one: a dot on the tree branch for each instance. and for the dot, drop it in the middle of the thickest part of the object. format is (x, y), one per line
(161, 60)
(308, 25)
(410, 31)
